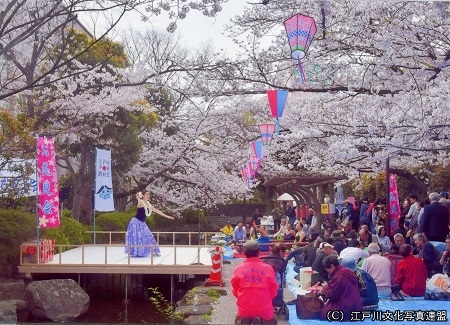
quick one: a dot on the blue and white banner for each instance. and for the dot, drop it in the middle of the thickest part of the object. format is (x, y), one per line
(12, 180)
(103, 181)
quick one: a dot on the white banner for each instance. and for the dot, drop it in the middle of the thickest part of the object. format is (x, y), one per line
(11, 179)
(103, 181)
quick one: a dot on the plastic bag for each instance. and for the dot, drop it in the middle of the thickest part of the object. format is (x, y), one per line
(438, 283)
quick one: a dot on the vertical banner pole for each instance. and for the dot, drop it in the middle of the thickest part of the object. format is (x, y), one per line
(388, 200)
(95, 189)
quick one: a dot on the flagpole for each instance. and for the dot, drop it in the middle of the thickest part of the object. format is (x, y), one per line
(95, 186)
(388, 200)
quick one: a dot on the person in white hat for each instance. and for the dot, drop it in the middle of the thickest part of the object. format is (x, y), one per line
(324, 250)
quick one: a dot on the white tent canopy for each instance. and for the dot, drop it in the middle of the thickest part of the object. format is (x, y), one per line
(285, 197)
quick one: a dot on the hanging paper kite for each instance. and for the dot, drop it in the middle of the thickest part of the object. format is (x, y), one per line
(277, 100)
(266, 131)
(300, 30)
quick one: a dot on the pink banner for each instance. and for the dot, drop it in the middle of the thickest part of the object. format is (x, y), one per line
(394, 206)
(47, 183)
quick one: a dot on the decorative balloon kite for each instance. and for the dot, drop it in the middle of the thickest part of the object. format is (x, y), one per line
(277, 100)
(300, 30)
(266, 131)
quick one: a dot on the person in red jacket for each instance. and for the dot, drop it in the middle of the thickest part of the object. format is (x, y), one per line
(411, 273)
(254, 285)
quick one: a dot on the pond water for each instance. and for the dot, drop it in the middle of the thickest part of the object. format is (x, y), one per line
(115, 299)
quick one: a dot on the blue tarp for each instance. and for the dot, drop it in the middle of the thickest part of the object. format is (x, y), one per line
(411, 310)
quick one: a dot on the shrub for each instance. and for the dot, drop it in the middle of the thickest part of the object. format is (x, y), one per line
(17, 227)
(69, 233)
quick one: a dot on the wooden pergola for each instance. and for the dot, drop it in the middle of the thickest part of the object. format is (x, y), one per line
(309, 190)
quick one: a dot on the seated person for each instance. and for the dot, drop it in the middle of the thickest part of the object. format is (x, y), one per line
(228, 231)
(411, 274)
(341, 291)
(249, 231)
(428, 253)
(445, 258)
(300, 235)
(383, 240)
(367, 287)
(239, 233)
(280, 233)
(323, 251)
(353, 251)
(338, 241)
(290, 233)
(394, 257)
(263, 239)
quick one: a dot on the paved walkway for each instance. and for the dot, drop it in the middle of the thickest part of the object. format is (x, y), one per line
(226, 309)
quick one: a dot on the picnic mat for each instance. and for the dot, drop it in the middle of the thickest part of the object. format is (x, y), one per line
(411, 310)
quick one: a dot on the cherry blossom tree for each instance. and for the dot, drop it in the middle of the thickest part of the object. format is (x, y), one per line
(377, 84)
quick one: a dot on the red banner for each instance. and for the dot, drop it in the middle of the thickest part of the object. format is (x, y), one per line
(47, 183)
(394, 206)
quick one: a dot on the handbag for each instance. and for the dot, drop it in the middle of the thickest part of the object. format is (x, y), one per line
(308, 306)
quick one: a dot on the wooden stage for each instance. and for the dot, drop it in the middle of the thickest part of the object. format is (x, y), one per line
(112, 259)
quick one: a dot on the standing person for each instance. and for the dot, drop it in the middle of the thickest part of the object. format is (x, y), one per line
(342, 291)
(290, 212)
(315, 220)
(256, 217)
(352, 214)
(365, 216)
(276, 215)
(138, 232)
(254, 285)
(435, 219)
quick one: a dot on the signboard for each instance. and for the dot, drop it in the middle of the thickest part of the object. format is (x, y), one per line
(324, 208)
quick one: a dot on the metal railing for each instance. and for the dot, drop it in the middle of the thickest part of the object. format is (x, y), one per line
(43, 253)
(203, 238)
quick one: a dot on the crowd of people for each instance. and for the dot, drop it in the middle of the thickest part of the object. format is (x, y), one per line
(356, 262)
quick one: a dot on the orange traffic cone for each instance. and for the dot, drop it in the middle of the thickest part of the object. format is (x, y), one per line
(215, 277)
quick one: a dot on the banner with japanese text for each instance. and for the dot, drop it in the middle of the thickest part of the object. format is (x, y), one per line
(48, 193)
(394, 206)
(104, 200)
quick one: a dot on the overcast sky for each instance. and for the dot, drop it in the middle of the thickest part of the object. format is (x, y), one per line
(195, 29)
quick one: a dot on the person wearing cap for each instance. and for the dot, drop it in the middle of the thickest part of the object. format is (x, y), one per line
(367, 287)
(254, 285)
(341, 292)
(379, 267)
(435, 219)
(325, 249)
(338, 241)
